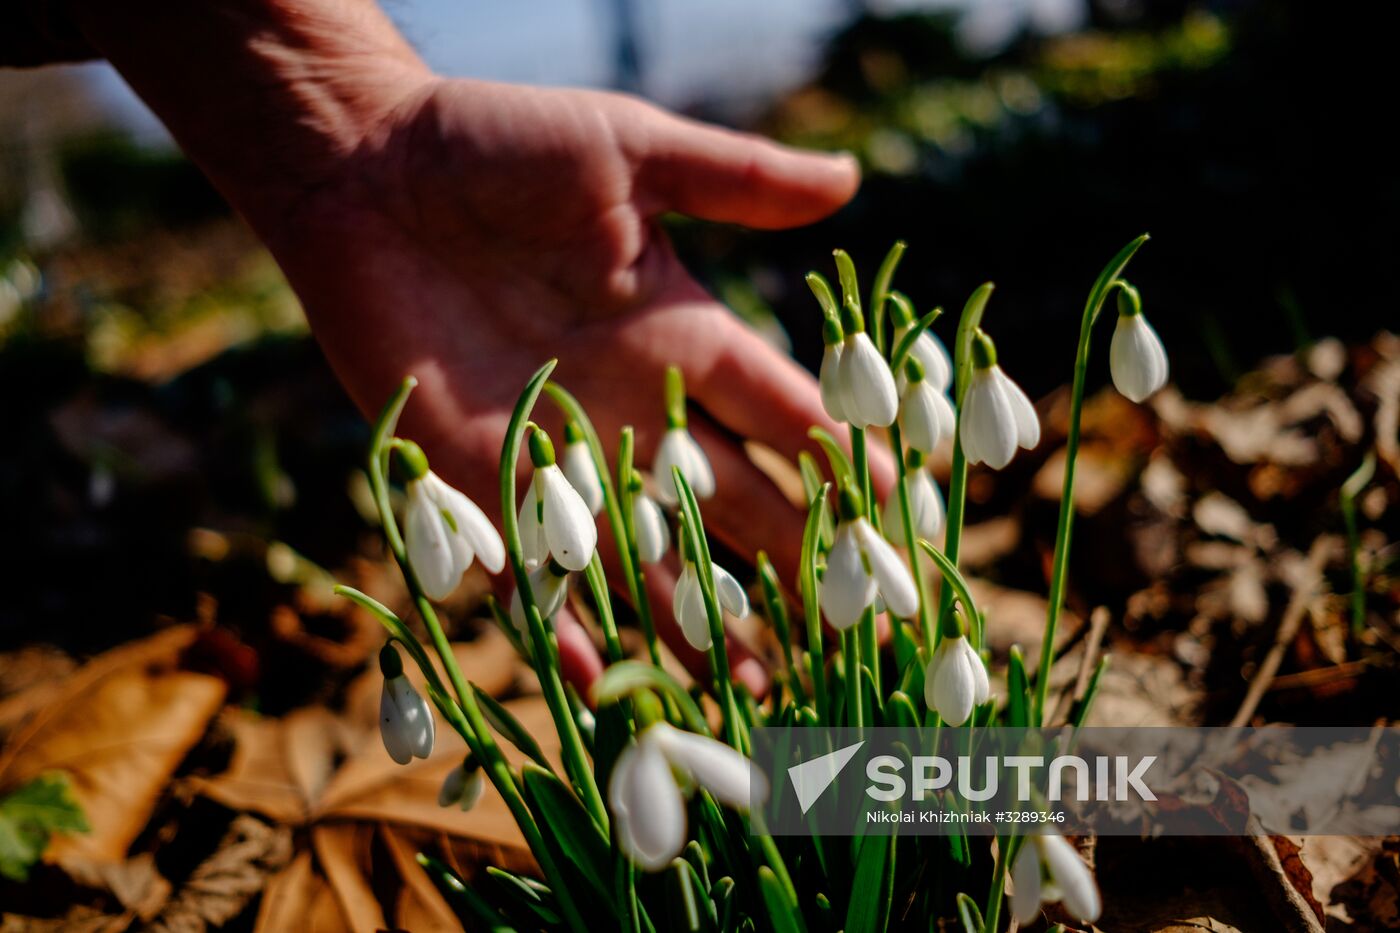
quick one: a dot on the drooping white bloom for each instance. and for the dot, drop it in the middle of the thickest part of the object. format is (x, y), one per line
(463, 785)
(997, 416)
(550, 584)
(1047, 869)
(582, 473)
(925, 415)
(679, 449)
(649, 523)
(829, 380)
(861, 567)
(688, 602)
(444, 531)
(925, 509)
(405, 720)
(956, 680)
(931, 354)
(649, 804)
(868, 395)
(554, 519)
(1136, 357)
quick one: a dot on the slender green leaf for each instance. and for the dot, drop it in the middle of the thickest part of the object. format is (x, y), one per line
(1018, 699)
(504, 722)
(841, 467)
(782, 911)
(531, 896)
(464, 902)
(871, 888)
(969, 914)
(627, 677)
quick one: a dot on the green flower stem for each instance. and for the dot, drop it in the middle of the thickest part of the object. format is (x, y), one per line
(541, 638)
(694, 529)
(1103, 286)
(880, 292)
(906, 520)
(1006, 851)
(860, 458)
(598, 585)
(477, 736)
(627, 545)
(811, 608)
(957, 487)
(782, 627)
(850, 646)
(955, 585)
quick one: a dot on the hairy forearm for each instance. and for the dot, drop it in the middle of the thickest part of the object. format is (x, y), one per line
(269, 97)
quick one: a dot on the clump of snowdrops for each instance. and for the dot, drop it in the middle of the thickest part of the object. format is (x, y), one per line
(644, 825)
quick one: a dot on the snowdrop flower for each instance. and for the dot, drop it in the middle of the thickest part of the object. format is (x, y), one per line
(956, 680)
(996, 415)
(549, 582)
(925, 505)
(444, 531)
(463, 785)
(1136, 357)
(405, 721)
(648, 802)
(868, 395)
(580, 470)
(1048, 869)
(862, 566)
(829, 376)
(925, 415)
(679, 449)
(648, 523)
(554, 519)
(927, 349)
(688, 601)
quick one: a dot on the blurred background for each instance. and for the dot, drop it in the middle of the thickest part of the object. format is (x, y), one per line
(157, 374)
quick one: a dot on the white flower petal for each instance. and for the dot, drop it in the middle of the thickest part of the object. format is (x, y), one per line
(1136, 358)
(462, 789)
(950, 683)
(405, 721)
(925, 509)
(679, 449)
(921, 417)
(730, 777)
(568, 525)
(653, 533)
(892, 576)
(1025, 879)
(988, 425)
(647, 806)
(688, 608)
(1027, 422)
(435, 560)
(829, 379)
(582, 474)
(929, 351)
(473, 526)
(846, 588)
(868, 392)
(534, 548)
(731, 594)
(550, 589)
(1078, 891)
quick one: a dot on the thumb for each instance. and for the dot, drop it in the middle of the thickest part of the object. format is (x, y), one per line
(730, 177)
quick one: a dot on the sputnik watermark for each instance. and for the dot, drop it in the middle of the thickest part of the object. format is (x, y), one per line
(1300, 781)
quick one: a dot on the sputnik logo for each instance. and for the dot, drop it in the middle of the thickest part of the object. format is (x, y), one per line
(811, 778)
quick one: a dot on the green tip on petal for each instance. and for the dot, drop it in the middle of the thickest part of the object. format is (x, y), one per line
(1129, 301)
(572, 433)
(914, 459)
(408, 460)
(675, 397)
(541, 449)
(832, 334)
(984, 352)
(852, 504)
(852, 320)
(635, 483)
(913, 369)
(556, 568)
(390, 664)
